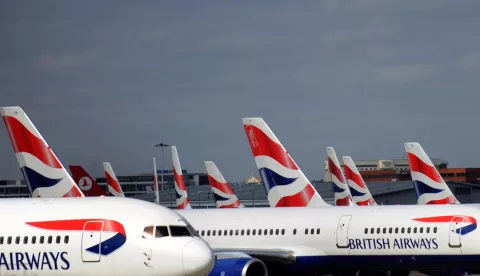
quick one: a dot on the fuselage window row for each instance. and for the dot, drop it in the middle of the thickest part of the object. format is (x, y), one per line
(254, 232)
(33, 240)
(397, 230)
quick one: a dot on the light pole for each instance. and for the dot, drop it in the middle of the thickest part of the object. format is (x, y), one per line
(253, 197)
(161, 145)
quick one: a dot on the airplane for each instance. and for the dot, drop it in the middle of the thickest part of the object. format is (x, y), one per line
(113, 185)
(331, 239)
(223, 193)
(155, 182)
(285, 183)
(359, 190)
(44, 174)
(87, 184)
(341, 192)
(180, 188)
(68, 235)
(429, 185)
(98, 236)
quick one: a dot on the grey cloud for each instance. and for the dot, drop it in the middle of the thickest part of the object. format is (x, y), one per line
(106, 81)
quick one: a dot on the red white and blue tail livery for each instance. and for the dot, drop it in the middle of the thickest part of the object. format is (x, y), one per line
(223, 193)
(43, 172)
(360, 193)
(85, 182)
(429, 185)
(285, 183)
(114, 187)
(180, 188)
(341, 192)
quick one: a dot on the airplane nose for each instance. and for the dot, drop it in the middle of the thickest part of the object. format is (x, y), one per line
(198, 259)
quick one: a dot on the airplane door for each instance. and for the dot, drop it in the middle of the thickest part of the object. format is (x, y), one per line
(342, 231)
(455, 233)
(91, 239)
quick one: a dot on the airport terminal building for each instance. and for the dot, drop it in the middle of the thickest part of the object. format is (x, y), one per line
(388, 180)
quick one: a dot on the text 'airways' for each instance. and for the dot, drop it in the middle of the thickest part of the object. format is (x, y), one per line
(34, 261)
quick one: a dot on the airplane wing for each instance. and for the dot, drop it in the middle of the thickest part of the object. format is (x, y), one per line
(274, 255)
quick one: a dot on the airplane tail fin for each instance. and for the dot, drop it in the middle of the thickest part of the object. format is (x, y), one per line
(114, 187)
(358, 189)
(223, 193)
(429, 185)
(341, 192)
(43, 172)
(87, 184)
(155, 182)
(285, 183)
(181, 189)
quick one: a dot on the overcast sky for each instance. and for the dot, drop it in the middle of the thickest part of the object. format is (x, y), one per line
(105, 81)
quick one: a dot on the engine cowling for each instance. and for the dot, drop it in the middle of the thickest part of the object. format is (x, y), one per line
(245, 266)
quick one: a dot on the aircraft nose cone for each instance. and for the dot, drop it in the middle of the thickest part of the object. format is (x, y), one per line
(198, 259)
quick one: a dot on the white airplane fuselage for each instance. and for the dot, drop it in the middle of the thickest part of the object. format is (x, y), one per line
(433, 237)
(95, 236)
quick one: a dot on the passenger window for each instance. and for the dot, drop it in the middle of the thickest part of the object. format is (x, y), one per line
(161, 231)
(9, 240)
(306, 231)
(372, 230)
(17, 240)
(236, 232)
(231, 232)
(378, 230)
(408, 230)
(318, 231)
(428, 230)
(208, 232)
(219, 232)
(254, 231)
(147, 232)
(384, 230)
(396, 230)
(65, 240)
(390, 230)
(265, 232)
(259, 232)
(225, 232)
(271, 232)
(50, 238)
(295, 231)
(434, 229)
(34, 239)
(283, 231)
(421, 230)
(242, 232)
(248, 232)
(403, 230)
(277, 232)
(214, 232)
(202, 233)
(180, 231)
(414, 230)
(58, 239)
(25, 240)
(42, 239)
(312, 231)
(1, 240)
(366, 230)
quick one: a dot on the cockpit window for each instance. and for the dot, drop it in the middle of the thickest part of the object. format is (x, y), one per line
(192, 230)
(148, 232)
(161, 231)
(180, 231)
